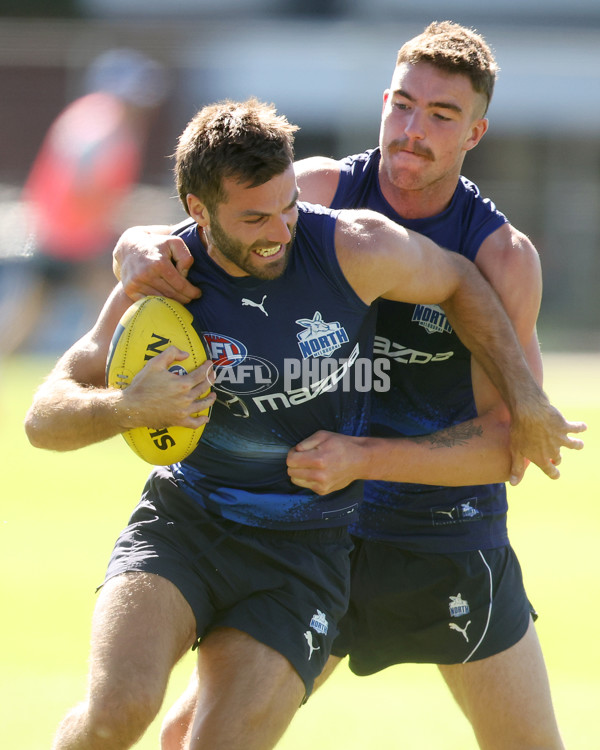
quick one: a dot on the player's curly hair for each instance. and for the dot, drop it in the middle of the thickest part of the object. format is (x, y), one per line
(247, 141)
(455, 49)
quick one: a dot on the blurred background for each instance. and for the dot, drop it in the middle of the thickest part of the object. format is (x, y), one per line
(325, 64)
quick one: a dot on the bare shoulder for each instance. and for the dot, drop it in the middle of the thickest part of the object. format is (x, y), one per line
(507, 253)
(511, 264)
(357, 227)
(374, 252)
(318, 178)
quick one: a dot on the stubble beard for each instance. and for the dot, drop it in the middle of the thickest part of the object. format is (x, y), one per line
(242, 257)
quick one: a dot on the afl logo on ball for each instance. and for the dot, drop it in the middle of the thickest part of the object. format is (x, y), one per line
(178, 370)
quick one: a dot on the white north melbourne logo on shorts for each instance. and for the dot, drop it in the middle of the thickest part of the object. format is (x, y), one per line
(458, 606)
(319, 622)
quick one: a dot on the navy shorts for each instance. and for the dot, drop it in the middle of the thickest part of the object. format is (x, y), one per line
(286, 589)
(408, 607)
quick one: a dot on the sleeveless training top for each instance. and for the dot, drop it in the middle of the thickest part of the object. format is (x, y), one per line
(430, 373)
(285, 351)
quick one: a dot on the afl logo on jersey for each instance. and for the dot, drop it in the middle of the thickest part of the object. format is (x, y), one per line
(236, 371)
(225, 351)
(255, 375)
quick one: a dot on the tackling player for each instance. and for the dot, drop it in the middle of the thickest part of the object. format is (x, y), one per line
(438, 459)
(223, 552)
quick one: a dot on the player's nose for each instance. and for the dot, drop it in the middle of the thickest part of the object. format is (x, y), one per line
(279, 231)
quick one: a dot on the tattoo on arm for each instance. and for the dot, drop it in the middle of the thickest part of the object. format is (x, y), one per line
(458, 434)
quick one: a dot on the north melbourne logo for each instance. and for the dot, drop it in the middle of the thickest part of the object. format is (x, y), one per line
(458, 606)
(465, 512)
(468, 511)
(320, 339)
(319, 622)
(432, 318)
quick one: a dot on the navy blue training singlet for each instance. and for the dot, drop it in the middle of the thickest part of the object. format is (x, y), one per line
(285, 352)
(430, 372)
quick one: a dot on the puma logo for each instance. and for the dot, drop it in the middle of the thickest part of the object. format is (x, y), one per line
(448, 513)
(454, 626)
(311, 646)
(260, 304)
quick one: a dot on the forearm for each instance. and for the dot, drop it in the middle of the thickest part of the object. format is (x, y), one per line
(70, 416)
(474, 452)
(478, 317)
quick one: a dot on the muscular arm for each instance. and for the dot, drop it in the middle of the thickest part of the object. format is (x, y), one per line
(317, 179)
(478, 451)
(73, 408)
(474, 452)
(510, 263)
(428, 275)
(468, 453)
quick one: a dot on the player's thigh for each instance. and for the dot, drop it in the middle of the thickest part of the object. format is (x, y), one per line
(248, 693)
(141, 626)
(331, 664)
(506, 697)
(178, 720)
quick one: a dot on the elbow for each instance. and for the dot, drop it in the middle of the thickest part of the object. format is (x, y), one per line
(32, 430)
(37, 435)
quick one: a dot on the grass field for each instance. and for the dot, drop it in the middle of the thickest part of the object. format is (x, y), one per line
(59, 514)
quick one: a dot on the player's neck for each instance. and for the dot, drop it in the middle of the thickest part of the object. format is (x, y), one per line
(419, 203)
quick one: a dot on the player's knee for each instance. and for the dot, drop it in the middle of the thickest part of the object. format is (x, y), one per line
(173, 733)
(120, 720)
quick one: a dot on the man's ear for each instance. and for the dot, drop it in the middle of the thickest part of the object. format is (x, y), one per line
(478, 130)
(197, 210)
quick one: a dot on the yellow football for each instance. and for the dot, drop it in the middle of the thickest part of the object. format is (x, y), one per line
(147, 328)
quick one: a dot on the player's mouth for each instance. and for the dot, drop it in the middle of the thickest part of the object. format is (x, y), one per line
(408, 154)
(267, 252)
(416, 151)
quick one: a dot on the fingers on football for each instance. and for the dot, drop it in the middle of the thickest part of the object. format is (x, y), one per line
(165, 359)
(202, 377)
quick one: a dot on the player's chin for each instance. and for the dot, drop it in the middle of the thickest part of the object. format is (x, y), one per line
(268, 269)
